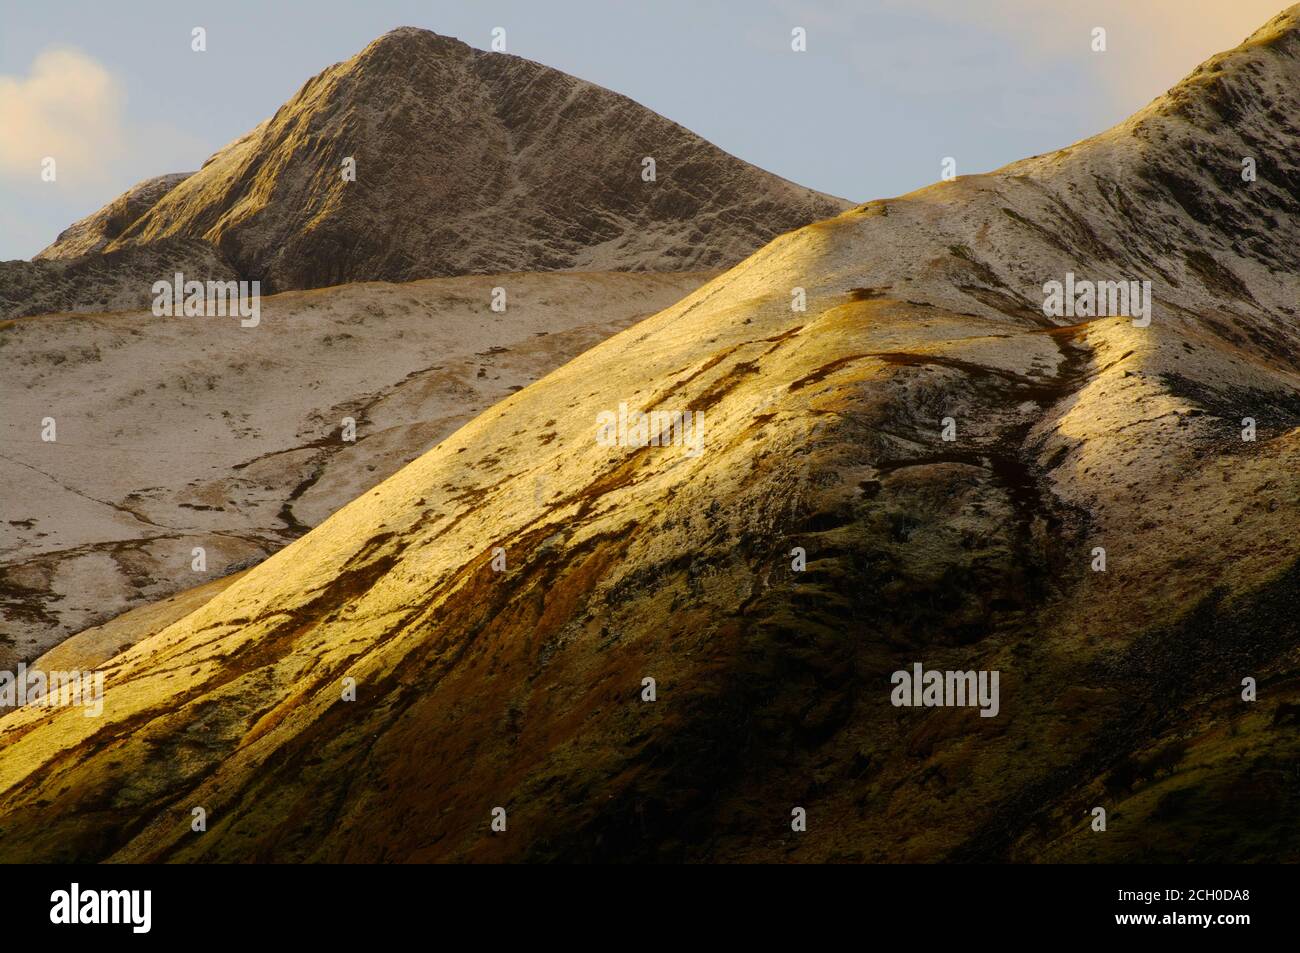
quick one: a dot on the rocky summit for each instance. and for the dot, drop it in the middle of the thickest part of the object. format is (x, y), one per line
(422, 157)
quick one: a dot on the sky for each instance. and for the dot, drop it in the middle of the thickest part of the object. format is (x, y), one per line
(885, 90)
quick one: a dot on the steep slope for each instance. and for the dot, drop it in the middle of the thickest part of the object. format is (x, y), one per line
(824, 429)
(173, 433)
(467, 163)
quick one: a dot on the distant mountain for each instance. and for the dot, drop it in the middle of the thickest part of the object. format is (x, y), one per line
(466, 163)
(926, 466)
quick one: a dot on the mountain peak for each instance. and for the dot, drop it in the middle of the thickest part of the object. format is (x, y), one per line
(1263, 70)
(424, 157)
(411, 41)
(1283, 29)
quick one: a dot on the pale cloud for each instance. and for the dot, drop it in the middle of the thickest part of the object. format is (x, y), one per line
(69, 107)
(1152, 44)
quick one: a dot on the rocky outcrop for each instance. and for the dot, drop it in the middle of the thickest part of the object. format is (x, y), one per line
(120, 280)
(93, 232)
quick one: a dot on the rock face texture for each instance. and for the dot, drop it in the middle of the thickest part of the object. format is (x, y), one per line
(466, 163)
(949, 459)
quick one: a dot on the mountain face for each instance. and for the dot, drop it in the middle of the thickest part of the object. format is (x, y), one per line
(176, 433)
(975, 485)
(465, 163)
